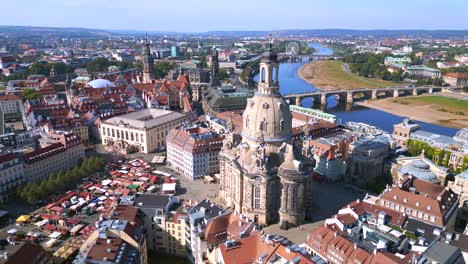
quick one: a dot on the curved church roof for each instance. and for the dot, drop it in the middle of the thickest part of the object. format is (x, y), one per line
(462, 135)
(100, 83)
(420, 170)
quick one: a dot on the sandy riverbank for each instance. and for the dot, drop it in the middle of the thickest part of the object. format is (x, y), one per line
(329, 75)
(425, 112)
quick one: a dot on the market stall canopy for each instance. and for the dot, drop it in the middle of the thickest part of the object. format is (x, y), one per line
(23, 218)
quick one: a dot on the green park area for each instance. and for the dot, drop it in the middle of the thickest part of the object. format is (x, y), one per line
(440, 103)
(332, 74)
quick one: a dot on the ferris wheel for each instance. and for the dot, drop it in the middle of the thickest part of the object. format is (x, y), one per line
(292, 48)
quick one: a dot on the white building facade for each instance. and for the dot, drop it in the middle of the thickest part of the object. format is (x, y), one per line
(194, 151)
(146, 130)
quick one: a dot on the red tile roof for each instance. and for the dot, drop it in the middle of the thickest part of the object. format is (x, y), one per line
(457, 75)
(7, 157)
(43, 153)
(250, 249)
(428, 198)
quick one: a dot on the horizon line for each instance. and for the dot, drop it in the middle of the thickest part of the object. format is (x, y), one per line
(233, 30)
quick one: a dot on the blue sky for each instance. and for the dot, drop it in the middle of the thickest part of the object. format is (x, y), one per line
(204, 15)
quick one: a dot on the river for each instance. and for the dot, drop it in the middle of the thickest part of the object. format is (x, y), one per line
(290, 82)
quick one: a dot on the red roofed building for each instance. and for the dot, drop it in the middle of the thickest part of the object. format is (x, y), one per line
(257, 248)
(167, 94)
(423, 201)
(116, 241)
(332, 245)
(456, 79)
(24, 252)
(227, 227)
(39, 164)
(193, 151)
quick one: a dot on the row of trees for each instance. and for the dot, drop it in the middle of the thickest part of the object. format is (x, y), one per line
(44, 68)
(60, 182)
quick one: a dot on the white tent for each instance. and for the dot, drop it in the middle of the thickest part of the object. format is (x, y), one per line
(41, 223)
(55, 235)
(169, 188)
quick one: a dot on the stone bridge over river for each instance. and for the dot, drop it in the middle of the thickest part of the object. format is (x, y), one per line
(351, 96)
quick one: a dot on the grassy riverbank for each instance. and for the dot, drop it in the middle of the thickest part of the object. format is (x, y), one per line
(441, 103)
(435, 109)
(330, 75)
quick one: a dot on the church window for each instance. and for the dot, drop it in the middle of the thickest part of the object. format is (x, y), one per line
(282, 124)
(257, 197)
(265, 105)
(263, 75)
(263, 125)
(274, 74)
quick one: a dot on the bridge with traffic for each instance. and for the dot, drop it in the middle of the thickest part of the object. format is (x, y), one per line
(351, 96)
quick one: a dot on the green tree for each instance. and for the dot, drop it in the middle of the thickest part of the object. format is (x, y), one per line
(99, 64)
(60, 68)
(162, 68)
(40, 68)
(123, 65)
(29, 94)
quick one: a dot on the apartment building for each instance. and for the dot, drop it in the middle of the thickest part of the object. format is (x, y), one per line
(12, 174)
(193, 151)
(60, 151)
(12, 107)
(155, 209)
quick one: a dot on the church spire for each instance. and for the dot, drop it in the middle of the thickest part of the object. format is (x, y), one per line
(148, 63)
(215, 79)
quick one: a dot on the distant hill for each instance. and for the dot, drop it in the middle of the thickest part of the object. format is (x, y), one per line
(96, 33)
(347, 32)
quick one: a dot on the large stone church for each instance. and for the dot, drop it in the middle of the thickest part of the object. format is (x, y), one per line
(260, 176)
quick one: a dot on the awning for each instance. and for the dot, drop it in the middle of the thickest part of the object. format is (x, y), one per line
(209, 178)
(169, 187)
(55, 235)
(41, 223)
(23, 218)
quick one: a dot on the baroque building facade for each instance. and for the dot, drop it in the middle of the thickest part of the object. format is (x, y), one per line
(260, 176)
